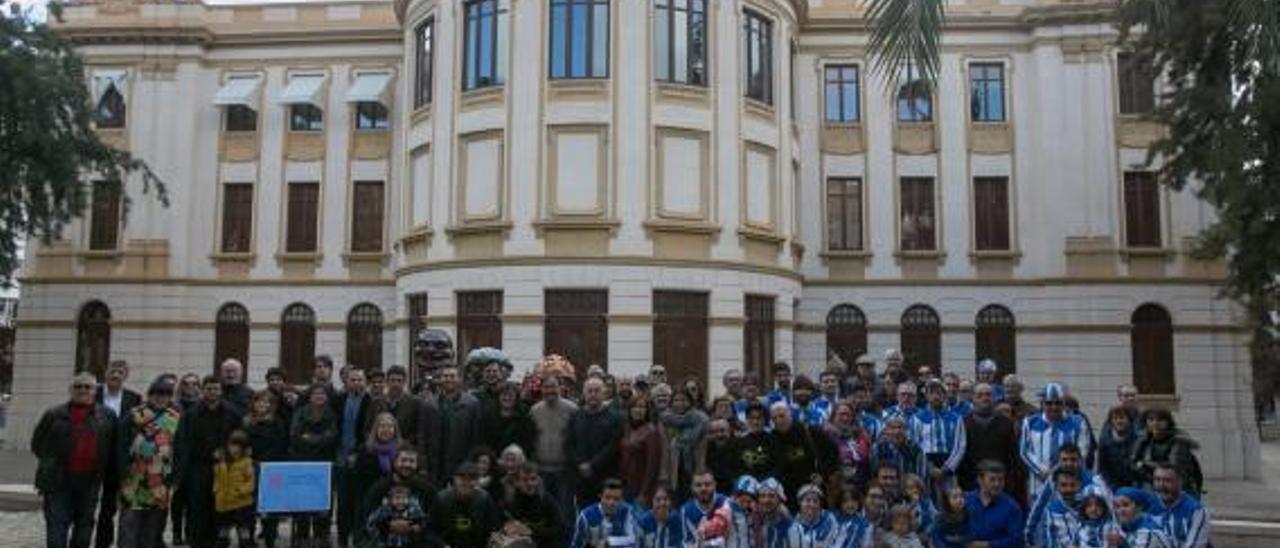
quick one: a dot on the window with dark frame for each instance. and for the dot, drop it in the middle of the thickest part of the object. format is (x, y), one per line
(918, 226)
(757, 34)
(995, 338)
(302, 218)
(1141, 209)
(364, 336)
(1136, 85)
(576, 326)
(844, 214)
(921, 338)
(986, 92)
(416, 304)
(579, 39)
(680, 334)
(680, 41)
(758, 336)
(104, 219)
(93, 338)
(111, 112)
(1151, 342)
(915, 97)
(479, 320)
(372, 115)
(842, 93)
(297, 343)
(424, 40)
(368, 206)
(846, 333)
(237, 217)
(240, 118)
(485, 31)
(305, 117)
(231, 334)
(991, 214)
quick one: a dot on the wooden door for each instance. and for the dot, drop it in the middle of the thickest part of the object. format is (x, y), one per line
(576, 327)
(479, 321)
(680, 333)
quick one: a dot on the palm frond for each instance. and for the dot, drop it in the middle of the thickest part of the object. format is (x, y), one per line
(906, 34)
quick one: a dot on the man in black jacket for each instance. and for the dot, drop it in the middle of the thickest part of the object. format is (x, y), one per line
(988, 436)
(119, 401)
(353, 412)
(201, 433)
(531, 512)
(74, 443)
(805, 454)
(404, 471)
(404, 406)
(462, 515)
(594, 435)
(450, 425)
(234, 391)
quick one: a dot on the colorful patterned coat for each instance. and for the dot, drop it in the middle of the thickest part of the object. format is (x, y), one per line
(148, 456)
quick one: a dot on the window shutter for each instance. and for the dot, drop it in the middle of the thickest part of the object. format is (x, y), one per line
(367, 216)
(237, 217)
(302, 216)
(104, 224)
(1142, 209)
(991, 213)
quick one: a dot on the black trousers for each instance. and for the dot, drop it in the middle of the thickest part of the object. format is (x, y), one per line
(106, 534)
(202, 531)
(68, 513)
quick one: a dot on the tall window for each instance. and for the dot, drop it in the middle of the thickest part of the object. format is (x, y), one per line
(757, 336)
(680, 333)
(231, 334)
(424, 40)
(921, 338)
(576, 326)
(104, 220)
(416, 304)
(237, 217)
(93, 338)
(1141, 209)
(846, 333)
(297, 342)
(305, 117)
(995, 338)
(111, 111)
(241, 118)
(680, 41)
(844, 213)
(1136, 85)
(991, 213)
(300, 229)
(479, 320)
(918, 221)
(986, 92)
(367, 209)
(579, 39)
(842, 93)
(1151, 339)
(757, 34)
(484, 54)
(915, 97)
(372, 115)
(364, 336)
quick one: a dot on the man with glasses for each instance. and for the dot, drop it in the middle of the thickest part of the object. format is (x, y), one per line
(1044, 433)
(73, 443)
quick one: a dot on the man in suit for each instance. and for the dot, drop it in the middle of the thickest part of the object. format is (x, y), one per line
(354, 407)
(119, 403)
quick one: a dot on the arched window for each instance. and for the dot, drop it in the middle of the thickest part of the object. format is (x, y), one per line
(1151, 338)
(846, 333)
(231, 335)
(921, 338)
(364, 336)
(93, 338)
(111, 108)
(994, 338)
(297, 342)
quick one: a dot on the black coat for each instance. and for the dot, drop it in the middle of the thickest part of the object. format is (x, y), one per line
(754, 454)
(312, 436)
(269, 439)
(51, 443)
(995, 439)
(408, 412)
(202, 432)
(450, 429)
(497, 432)
(128, 400)
(462, 523)
(540, 514)
(801, 452)
(237, 397)
(594, 438)
(364, 419)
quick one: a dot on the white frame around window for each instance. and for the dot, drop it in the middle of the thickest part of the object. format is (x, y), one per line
(304, 89)
(492, 55)
(840, 84)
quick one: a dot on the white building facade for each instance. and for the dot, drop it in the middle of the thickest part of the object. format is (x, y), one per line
(707, 184)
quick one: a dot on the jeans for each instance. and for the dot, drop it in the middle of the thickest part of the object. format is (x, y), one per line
(71, 510)
(142, 528)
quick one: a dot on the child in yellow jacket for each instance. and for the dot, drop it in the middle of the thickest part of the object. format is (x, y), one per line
(233, 485)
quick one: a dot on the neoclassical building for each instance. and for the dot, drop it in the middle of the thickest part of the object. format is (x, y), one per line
(706, 184)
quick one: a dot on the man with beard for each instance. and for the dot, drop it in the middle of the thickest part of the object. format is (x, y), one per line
(732, 381)
(405, 407)
(755, 450)
(829, 392)
(404, 471)
(531, 512)
(609, 522)
(1058, 519)
(803, 455)
(906, 404)
(1044, 433)
(995, 520)
(782, 381)
(721, 454)
(596, 432)
(286, 397)
(462, 515)
(201, 433)
(988, 436)
(551, 418)
(487, 392)
(704, 502)
(1071, 462)
(1181, 515)
(803, 408)
(451, 424)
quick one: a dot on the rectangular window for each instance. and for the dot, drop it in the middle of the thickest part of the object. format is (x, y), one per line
(579, 39)
(424, 41)
(416, 304)
(479, 320)
(104, 220)
(915, 97)
(576, 326)
(484, 52)
(757, 337)
(237, 217)
(844, 213)
(1137, 85)
(372, 116)
(367, 212)
(986, 92)
(241, 118)
(301, 218)
(991, 213)
(305, 117)
(1141, 209)
(680, 334)
(757, 33)
(918, 222)
(842, 93)
(680, 41)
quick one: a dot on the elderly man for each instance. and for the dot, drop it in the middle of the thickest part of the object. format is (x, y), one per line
(120, 402)
(1044, 433)
(988, 436)
(74, 444)
(234, 391)
(987, 371)
(595, 433)
(805, 454)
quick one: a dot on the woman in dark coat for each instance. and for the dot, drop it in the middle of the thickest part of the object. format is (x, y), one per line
(268, 442)
(507, 422)
(1164, 443)
(1115, 449)
(313, 437)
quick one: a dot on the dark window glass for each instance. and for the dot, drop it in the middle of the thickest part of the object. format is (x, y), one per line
(918, 227)
(111, 111)
(846, 333)
(368, 205)
(1141, 209)
(579, 39)
(1137, 85)
(479, 320)
(372, 115)
(416, 304)
(304, 117)
(921, 338)
(915, 98)
(842, 93)
(844, 213)
(1151, 339)
(364, 336)
(237, 217)
(757, 33)
(241, 118)
(300, 230)
(297, 343)
(576, 326)
(991, 213)
(104, 220)
(424, 40)
(680, 333)
(680, 41)
(484, 51)
(231, 335)
(986, 92)
(93, 338)
(757, 336)
(994, 338)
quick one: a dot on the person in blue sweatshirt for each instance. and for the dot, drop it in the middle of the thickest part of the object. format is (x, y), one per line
(994, 517)
(609, 522)
(701, 505)
(1137, 529)
(813, 527)
(1096, 520)
(661, 526)
(1059, 520)
(1183, 517)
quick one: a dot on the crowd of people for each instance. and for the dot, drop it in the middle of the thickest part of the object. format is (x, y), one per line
(864, 455)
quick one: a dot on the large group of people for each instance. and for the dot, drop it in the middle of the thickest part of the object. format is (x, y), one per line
(865, 455)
